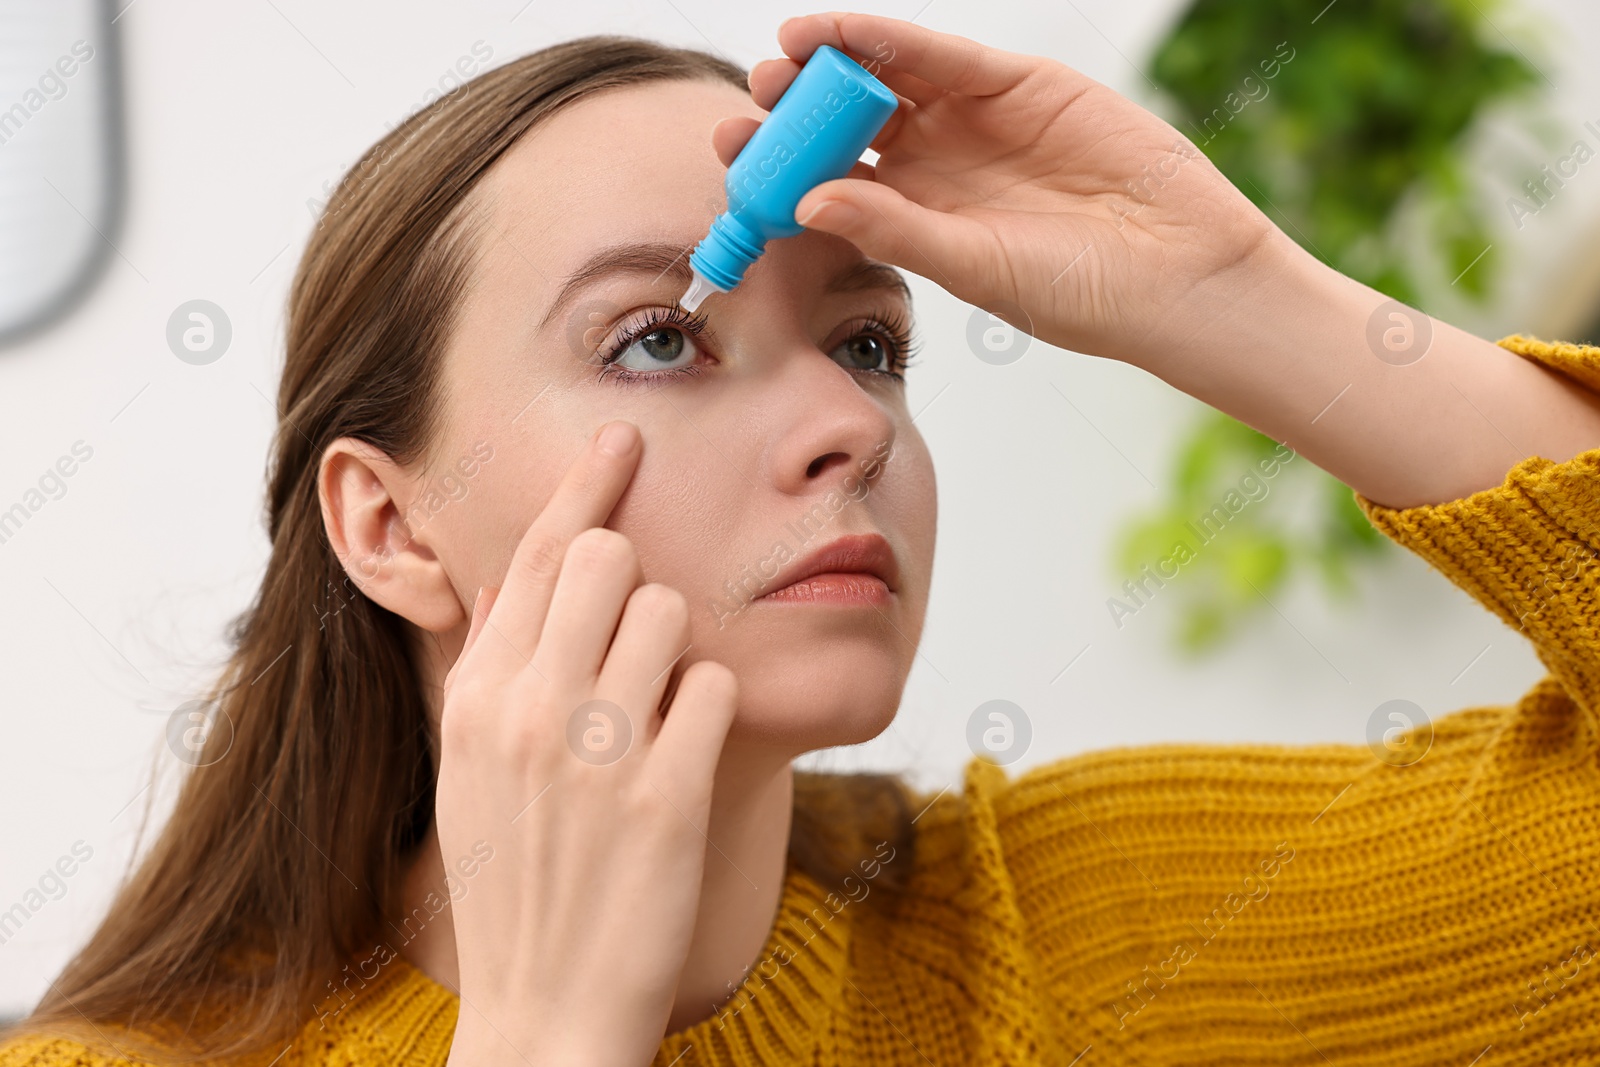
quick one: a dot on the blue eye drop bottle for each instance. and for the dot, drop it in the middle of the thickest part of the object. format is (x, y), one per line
(815, 133)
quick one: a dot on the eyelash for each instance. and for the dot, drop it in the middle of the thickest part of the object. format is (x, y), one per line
(890, 325)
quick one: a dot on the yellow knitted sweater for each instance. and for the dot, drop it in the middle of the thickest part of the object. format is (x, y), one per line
(1207, 904)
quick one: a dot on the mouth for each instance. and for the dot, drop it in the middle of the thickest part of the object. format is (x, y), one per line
(854, 569)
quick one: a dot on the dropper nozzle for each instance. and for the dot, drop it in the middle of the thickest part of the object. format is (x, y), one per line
(698, 290)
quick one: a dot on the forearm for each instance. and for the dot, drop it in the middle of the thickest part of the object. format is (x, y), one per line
(1282, 344)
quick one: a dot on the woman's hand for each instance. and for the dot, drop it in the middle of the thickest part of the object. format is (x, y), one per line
(1014, 180)
(555, 750)
(1026, 188)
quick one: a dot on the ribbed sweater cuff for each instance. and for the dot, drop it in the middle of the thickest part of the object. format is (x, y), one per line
(1527, 549)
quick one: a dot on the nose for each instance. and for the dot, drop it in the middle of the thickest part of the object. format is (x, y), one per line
(827, 426)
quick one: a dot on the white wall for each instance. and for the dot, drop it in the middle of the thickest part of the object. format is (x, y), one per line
(114, 595)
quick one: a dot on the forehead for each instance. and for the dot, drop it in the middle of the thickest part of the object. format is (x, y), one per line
(625, 160)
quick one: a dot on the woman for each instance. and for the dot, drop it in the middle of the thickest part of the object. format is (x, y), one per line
(529, 523)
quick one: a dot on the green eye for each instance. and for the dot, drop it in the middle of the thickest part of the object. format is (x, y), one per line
(863, 352)
(881, 344)
(656, 350)
(654, 346)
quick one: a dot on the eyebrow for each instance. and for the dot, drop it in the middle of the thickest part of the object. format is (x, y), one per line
(664, 259)
(869, 274)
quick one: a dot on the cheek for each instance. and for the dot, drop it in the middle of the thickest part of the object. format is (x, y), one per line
(909, 501)
(682, 512)
(491, 523)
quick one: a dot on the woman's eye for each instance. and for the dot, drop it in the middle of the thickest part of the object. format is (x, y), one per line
(659, 348)
(864, 352)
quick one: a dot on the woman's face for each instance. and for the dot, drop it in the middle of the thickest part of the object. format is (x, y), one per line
(770, 433)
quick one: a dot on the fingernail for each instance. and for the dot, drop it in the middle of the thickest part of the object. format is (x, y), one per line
(615, 438)
(838, 213)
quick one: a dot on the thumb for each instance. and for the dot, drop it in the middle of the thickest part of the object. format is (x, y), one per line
(886, 226)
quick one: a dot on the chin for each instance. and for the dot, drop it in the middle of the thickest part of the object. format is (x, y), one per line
(803, 699)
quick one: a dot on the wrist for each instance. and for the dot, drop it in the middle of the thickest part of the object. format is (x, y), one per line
(1224, 296)
(515, 1038)
(1404, 408)
(1276, 332)
(1225, 304)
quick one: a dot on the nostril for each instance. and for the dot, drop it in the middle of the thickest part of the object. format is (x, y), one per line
(821, 463)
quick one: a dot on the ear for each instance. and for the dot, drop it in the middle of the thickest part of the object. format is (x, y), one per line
(364, 494)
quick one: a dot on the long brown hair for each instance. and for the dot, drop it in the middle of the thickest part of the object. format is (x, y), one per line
(281, 860)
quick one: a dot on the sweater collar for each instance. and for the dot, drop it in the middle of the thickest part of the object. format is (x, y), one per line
(777, 1015)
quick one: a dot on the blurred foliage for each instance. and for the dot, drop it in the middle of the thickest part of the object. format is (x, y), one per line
(1333, 129)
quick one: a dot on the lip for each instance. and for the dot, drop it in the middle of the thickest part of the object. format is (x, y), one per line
(847, 564)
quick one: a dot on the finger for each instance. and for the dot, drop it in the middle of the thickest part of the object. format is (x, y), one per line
(480, 611)
(939, 245)
(730, 135)
(906, 86)
(688, 747)
(944, 60)
(599, 572)
(865, 172)
(584, 498)
(771, 78)
(652, 637)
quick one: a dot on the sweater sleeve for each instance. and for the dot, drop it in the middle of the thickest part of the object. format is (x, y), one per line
(1529, 548)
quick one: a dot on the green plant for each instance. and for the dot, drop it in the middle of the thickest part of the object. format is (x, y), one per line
(1335, 125)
